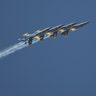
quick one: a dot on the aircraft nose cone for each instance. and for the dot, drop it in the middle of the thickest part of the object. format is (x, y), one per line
(86, 22)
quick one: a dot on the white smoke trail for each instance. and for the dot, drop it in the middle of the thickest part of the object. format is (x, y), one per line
(16, 47)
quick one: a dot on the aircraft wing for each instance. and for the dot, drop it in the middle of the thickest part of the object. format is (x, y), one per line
(65, 34)
(76, 27)
(62, 30)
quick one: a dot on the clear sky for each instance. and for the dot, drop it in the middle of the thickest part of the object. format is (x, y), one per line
(55, 67)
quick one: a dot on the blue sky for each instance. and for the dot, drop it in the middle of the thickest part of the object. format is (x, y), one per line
(55, 67)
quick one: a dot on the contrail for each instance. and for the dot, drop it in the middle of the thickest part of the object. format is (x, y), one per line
(16, 47)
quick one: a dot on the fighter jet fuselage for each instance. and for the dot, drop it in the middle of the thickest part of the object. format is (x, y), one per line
(77, 26)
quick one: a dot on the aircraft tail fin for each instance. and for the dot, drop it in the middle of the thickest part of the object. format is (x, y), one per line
(26, 34)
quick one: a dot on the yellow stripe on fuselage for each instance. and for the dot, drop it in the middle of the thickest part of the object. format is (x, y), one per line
(48, 33)
(72, 29)
(61, 30)
(37, 37)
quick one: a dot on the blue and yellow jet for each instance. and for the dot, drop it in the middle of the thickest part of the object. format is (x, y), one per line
(52, 32)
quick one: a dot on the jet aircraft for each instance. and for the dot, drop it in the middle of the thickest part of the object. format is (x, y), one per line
(77, 26)
(65, 29)
(52, 32)
(39, 35)
(72, 26)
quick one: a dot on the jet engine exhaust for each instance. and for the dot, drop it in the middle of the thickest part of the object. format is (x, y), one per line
(16, 47)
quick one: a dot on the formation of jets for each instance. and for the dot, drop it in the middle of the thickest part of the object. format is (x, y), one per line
(52, 32)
